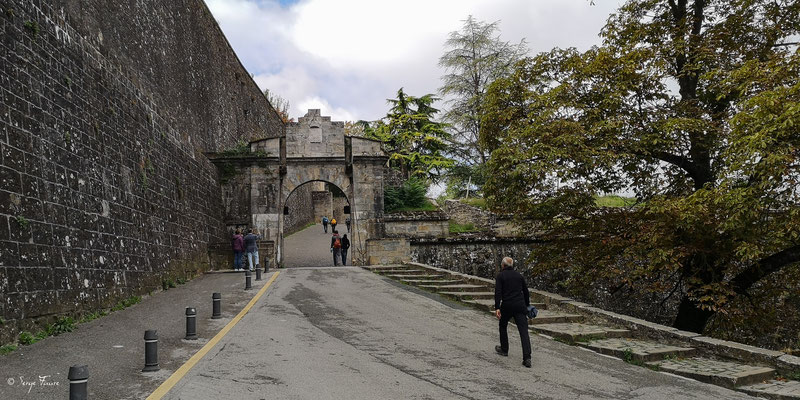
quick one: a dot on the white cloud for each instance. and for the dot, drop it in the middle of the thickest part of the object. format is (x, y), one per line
(348, 56)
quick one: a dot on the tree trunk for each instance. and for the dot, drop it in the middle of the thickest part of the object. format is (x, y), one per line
(691, 317)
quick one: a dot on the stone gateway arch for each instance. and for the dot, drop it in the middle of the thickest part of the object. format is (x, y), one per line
(257, 180)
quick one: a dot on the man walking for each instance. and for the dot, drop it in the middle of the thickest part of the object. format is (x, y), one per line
(333, 224)
(325, 223)
(336, 248)
(511, 300)
(251, 247)
(345, 246)
(347, 223)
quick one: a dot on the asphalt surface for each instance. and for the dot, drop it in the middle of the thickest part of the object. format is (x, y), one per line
(311, 247)
(346, 333)
(113, 346)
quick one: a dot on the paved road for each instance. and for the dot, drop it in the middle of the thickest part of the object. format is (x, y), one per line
(346, 333)
(311, 247)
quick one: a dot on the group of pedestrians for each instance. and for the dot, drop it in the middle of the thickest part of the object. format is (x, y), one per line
(339, 247)
(247, 244)
(333, 223)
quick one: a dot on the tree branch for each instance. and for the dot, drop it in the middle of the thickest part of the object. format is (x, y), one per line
(755, 272)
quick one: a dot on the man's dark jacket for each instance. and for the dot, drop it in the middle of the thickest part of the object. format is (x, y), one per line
(510, 290)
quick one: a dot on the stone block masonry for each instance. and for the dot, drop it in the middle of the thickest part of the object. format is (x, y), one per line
(479, 256)
(106, 109)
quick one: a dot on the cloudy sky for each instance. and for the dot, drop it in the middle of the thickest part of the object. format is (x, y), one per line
(347, 57)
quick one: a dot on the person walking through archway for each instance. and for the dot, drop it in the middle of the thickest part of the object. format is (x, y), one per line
(345, 246)
(336, 248)
(347, 223)
(325, 223)
(333, 224)
(511, 300)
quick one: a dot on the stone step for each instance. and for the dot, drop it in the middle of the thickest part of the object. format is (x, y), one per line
(489, 304)
(431, 281)
(722, 373)
(553, 317)
(637, 350)
(576, 332)
(400, 271)
(413, 276)
(384, 267)
(774, 389)
(459, 287)
(470, 295)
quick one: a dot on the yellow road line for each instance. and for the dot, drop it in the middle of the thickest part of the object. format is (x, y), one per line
(181, 372)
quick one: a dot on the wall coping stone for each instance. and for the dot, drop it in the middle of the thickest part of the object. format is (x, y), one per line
(415, 216)
(475, 239)
(724, 348)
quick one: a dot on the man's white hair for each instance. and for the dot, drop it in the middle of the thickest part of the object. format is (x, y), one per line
(507, 262)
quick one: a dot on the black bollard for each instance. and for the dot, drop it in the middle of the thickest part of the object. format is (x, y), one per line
(217, 300)
(150, 351)
(191, 323)
(78, 382)
(258, 274)
(266, 266)
(248, 280)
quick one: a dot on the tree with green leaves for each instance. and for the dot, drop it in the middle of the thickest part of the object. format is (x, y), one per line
(414, 141)
(693, 106)
(475, 56)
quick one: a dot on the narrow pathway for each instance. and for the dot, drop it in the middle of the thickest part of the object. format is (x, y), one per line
(310, 247)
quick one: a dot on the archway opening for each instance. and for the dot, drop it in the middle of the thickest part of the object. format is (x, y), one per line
(306, 242)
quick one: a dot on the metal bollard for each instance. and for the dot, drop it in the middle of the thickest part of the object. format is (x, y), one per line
(150, 351)
(191, 323)
(258, 274)
(266, 266)
(78, 382)
(217, 300)
(248, 280)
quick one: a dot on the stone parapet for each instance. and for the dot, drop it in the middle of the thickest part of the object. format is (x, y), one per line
(387, 251)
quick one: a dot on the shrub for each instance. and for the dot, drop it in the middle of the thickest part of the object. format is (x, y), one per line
(26, 338)
(411, 195)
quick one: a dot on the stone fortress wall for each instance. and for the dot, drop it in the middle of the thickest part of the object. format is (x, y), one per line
(106, 109)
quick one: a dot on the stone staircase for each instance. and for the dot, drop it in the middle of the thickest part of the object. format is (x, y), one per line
(556, 323)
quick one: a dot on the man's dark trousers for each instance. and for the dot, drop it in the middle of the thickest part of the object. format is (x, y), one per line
(521, 319)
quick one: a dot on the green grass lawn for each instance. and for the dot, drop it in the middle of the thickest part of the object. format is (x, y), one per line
(462, 228)
(475, 202)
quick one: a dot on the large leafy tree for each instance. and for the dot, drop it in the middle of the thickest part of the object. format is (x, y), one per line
(414, 140)
(693, 106)
(475, 56)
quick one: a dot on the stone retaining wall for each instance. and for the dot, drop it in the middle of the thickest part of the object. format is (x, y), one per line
(417, 224)
(387, 251)
(473, 255)
(106, 109)
(301, 210)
